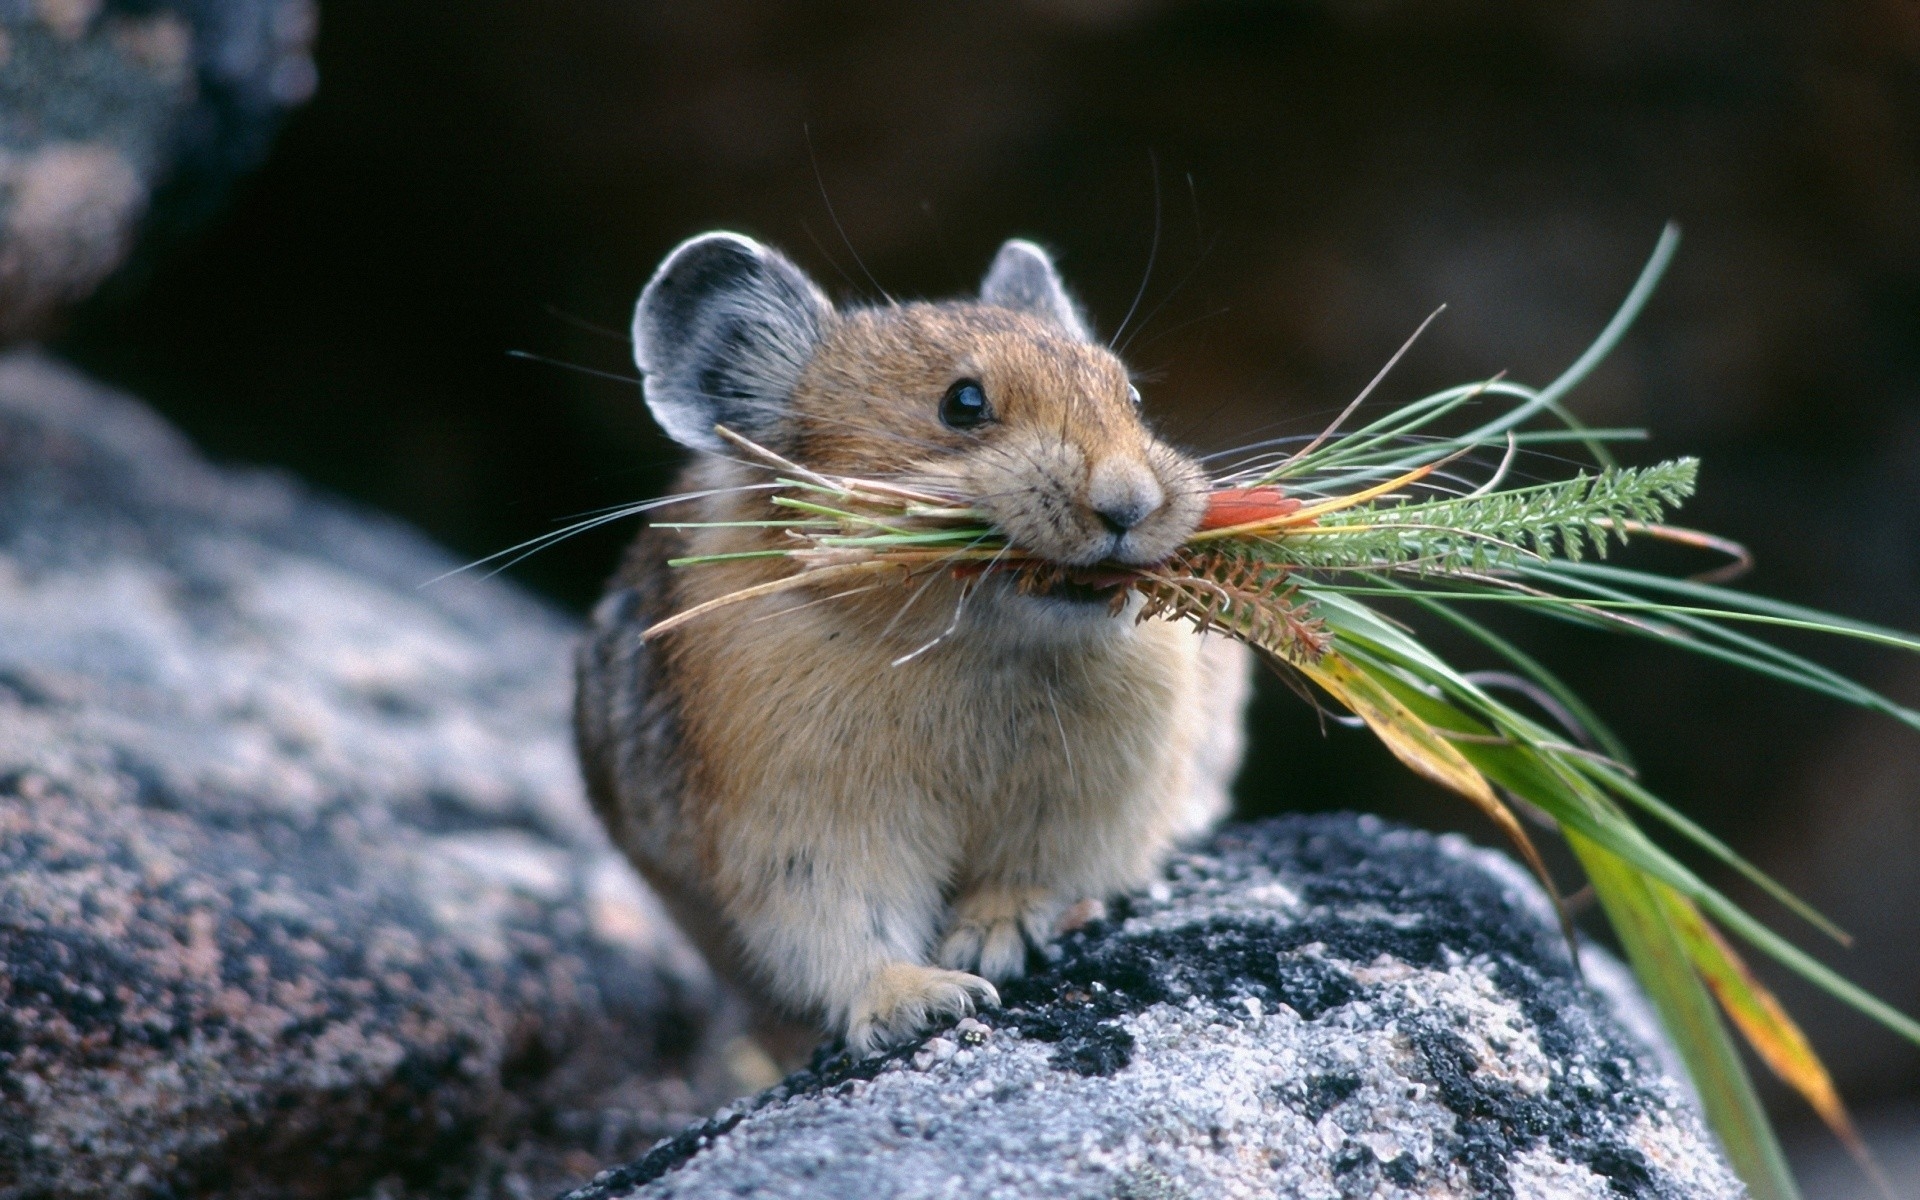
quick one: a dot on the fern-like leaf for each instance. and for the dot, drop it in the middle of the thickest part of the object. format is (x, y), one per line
(1499, 530)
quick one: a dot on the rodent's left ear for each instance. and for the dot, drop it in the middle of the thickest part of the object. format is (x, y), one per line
(1023, 278)
(721, 334)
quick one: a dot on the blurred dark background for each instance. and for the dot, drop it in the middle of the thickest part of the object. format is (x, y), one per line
(489, 176)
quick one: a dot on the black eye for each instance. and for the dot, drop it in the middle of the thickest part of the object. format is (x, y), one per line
(1133, 394)
(965, 406)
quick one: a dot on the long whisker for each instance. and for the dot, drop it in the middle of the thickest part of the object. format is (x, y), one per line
(814, 159)
(1178, 284)
(536, 544)
(959, 610)
(579, 322)
(794, 608)
(1066, 744)
(1153, 252)
(594, 372)
(913, 595)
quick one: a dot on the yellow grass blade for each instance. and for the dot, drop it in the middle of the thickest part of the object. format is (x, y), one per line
(1671, 956)
(1765, 1024)
(1304, 516)
(1413, 741)
(1428, 752)
(1661, 961)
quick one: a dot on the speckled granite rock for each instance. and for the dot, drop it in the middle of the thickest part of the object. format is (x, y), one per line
(1314, 1007)
(298, 892)
(105, 102)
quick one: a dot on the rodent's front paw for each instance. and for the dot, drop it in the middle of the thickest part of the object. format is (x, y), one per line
(904, 998)
(992, 929)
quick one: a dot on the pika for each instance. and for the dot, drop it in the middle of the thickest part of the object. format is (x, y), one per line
(865, 845)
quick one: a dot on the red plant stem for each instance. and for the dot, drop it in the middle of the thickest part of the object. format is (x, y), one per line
(1243, 506)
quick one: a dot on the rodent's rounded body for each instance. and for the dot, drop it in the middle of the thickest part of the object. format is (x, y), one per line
(867, 842)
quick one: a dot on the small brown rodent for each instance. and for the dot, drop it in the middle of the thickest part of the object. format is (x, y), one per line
(858, 842)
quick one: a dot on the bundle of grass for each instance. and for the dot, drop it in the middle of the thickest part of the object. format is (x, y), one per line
(1298, 545)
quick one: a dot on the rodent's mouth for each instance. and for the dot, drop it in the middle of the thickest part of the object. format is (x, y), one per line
(1080, 593)
(1095, 586)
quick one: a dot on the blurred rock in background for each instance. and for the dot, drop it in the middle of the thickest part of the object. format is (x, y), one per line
(299, 895)
(112, 114)
(298, 890)
(502, 175)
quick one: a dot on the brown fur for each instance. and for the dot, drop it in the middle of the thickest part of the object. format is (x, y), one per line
(831, 822)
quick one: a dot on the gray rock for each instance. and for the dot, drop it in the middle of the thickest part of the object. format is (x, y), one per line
(298, 891)
(1321, 1006)
(103, 105)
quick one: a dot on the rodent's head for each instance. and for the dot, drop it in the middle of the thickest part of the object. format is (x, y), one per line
(1006, 400)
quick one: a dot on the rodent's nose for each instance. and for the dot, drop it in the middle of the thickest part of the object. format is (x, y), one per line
(1123, 494)
(1123, 517)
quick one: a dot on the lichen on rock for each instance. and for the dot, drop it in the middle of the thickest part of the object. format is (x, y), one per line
(1323, 1006)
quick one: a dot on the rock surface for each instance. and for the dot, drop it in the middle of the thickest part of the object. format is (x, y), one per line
(298, 892)
(104, 104)
(1313, 1007)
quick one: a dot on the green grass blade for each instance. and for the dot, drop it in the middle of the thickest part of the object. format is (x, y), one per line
(1568, 788)
(1693, 1023)
(1374, 639)
(1751, 653)
(1623, 319)
(1534, 670)
(1634, 793)
(1702, 636)
(1423, 412)
(1736, 601)
(1788, 955)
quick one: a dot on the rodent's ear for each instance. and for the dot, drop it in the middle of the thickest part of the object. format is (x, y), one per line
(721, 334)
(1022, 277)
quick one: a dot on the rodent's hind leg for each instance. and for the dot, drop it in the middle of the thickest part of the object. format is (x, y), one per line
(902, 999)
(993, 926)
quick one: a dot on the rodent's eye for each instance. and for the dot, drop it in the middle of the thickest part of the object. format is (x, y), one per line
(965, 405)
(1133, 394)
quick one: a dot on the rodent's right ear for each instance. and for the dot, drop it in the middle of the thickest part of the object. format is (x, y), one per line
(721, 334)
(1024, 278)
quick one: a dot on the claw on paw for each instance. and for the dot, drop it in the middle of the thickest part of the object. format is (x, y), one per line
(992, 930)
(903, 999)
